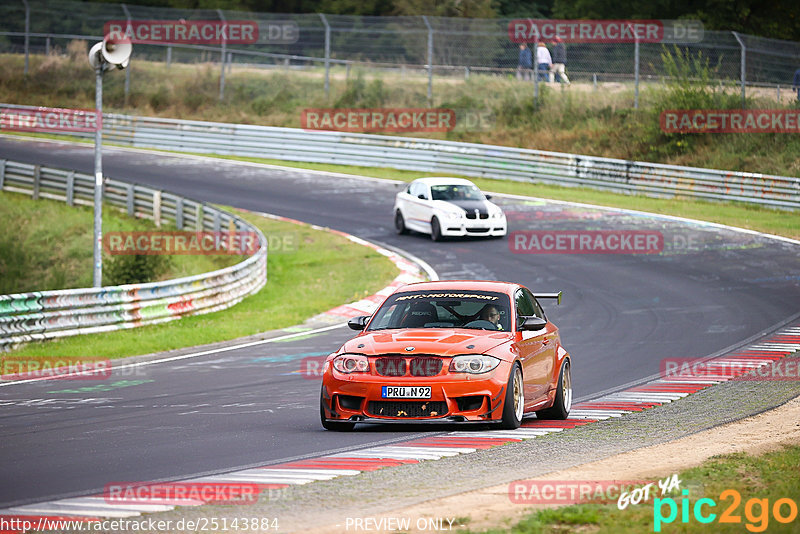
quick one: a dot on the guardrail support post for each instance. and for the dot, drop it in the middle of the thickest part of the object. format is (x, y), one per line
(743, 68)
(217, 224)
(2, 173)
(327, 55)
(71, 188)
(157, 208)
(27, 33)
(199, 214)
(430, 60)
(179, 213)
(37, 178)
(130, 200)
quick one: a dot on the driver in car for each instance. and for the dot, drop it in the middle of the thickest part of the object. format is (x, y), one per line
(491, 314)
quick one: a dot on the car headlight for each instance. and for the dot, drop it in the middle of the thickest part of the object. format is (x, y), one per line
(351, 363)
(473, 363)
(455, 214)
(497, 214)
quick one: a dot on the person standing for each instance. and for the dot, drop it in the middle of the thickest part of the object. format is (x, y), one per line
(796, 83)
(525, 63)
(543, 61)
(559, 61)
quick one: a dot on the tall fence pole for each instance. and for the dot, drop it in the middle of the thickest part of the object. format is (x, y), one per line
(743, 67)
(430, 60)
(535, 64)
(98, 180)
(327, 55)
(127, 70)
(222, 58)
(636, 73)
(27, 32)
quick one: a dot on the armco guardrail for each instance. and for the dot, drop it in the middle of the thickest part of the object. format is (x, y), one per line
(443, 157)
(48, 314)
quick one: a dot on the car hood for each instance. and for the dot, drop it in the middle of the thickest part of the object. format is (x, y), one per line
(482, 206)
(439, 341)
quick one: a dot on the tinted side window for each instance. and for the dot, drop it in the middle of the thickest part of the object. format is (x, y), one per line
(524, 307)
(537, 309)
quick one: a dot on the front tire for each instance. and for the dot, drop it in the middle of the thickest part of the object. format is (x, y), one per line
(436, 230)
(336, 426)
(400, 223)
(514, 404)
(563, 401)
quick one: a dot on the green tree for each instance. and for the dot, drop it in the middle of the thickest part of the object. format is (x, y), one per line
(476, 9)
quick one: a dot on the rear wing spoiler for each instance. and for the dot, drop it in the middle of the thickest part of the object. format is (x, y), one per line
(556, 296)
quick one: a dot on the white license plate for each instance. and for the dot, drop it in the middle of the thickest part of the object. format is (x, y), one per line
(406, 392)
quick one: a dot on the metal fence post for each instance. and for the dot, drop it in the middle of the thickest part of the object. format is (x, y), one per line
(169, 56)
(2, 173)
(47, 46)
(636, 73)
(594, 80)
(430, 60)
(535, 70)
(37, 178)
(127, 70)
(779, 93)
(222, 59)
(327, 55)
(744, 68)
(27, 33)
(71, 188)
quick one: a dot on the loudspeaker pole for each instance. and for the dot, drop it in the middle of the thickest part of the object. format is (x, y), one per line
(98, 178)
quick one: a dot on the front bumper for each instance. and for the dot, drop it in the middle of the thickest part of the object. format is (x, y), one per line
(491, 227)
(455, 398)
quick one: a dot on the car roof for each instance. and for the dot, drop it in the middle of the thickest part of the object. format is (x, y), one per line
(443, 180)
(461, 285)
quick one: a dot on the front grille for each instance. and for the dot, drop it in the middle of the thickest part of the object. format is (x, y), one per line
(390, 366)
(477, 230)
(404, 366)
(425, 366)
(472, 215)
(415, 409)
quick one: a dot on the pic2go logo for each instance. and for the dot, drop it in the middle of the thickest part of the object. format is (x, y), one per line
(756, 511)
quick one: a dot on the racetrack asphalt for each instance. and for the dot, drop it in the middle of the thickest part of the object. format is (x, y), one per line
(622, 314)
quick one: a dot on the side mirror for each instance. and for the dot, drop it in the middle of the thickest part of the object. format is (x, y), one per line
(533, 323)
(488, 197)
(422, 197)
(358, 323)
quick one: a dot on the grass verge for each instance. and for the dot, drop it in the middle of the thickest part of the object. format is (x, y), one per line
(46, 244)
(760, 481)
(310, 272)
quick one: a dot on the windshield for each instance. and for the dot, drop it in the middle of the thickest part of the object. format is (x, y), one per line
(480, 310)
(456, 192)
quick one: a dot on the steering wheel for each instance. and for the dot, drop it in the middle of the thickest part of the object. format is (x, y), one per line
(482, 324)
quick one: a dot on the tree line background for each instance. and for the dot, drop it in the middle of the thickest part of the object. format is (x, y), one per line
(779, 19)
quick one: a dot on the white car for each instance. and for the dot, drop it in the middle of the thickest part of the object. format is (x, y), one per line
(444, 207)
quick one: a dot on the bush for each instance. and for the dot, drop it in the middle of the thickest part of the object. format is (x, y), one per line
(134, 269)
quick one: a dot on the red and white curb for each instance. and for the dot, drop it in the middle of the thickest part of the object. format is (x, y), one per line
(654, 393)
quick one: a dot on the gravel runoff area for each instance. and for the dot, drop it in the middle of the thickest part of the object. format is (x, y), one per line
(326, 504)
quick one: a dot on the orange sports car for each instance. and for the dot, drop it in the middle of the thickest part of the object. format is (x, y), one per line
(449, 351)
